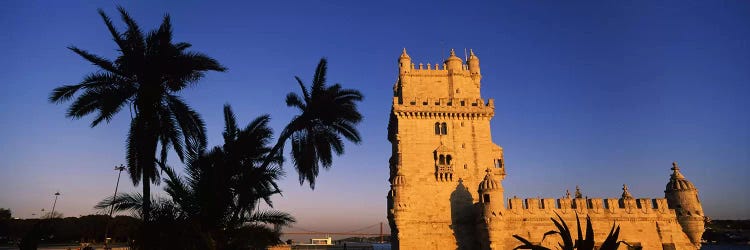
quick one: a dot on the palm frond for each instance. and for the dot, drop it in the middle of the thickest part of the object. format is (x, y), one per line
(230, 124)
(273, 217)
(131, 152)
(192, 125)
(305, 94)
(319, 79)
(64, 93)
(101, 62)
(112, 29)
(133, 34)
(122, 202)
(293, 100)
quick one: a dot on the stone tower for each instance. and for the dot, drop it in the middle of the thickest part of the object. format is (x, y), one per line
(682, 196)
(439, 130)
(446, 177)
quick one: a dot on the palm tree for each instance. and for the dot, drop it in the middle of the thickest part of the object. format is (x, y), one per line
(146, 76)
(222, 190)
(326, 114)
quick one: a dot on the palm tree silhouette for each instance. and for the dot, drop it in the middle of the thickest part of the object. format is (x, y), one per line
(146, 76)
(326, 114)
(222, 190)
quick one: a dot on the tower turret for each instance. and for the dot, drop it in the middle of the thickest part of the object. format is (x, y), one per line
(491, 200)
(682, 196)
(453, 63)
(397, 187)
(473, 62)
(404, 63)
(491, 193)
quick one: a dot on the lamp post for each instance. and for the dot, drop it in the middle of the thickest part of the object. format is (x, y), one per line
(112, 210)
(52, 214)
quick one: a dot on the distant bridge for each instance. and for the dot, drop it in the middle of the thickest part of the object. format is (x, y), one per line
(357, 232)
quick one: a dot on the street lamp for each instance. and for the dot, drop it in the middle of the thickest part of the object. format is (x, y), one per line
(52, 214)
(112, 210)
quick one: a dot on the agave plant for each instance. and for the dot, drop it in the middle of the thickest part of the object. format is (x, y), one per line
(587, 243)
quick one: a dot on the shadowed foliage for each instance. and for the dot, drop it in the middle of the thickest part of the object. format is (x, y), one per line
(581, 243)
(217, 200)
(327, 113)
(148, 73)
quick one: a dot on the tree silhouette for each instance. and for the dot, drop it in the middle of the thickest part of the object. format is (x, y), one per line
(326, 114)
(218, 198)
(148, 73)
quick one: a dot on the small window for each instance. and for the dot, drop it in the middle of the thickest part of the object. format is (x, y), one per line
(448, 160)
(499, 163)
(463, 103)
(442, 160)
(486, 198)
(464, 166)
(458, 91)
(444, 129)
(437, 128)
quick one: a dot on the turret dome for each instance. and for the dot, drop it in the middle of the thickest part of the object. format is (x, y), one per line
(677, 181)
(488, 183)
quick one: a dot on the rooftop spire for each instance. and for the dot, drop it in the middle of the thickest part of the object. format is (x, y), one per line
(578, 192)
(677, 181)
(625, 193)
(404, 55)
(676, 171)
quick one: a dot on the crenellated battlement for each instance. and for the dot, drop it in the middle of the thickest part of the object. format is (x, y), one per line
(444, 102)
(440, 107)
(589, 206)
(428, 69)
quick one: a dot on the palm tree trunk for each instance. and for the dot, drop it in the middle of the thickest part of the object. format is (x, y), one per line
(147, 146)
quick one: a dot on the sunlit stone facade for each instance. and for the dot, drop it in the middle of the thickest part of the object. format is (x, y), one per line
(446, 177)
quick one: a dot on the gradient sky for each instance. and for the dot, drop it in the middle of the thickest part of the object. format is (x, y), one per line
(595, 94)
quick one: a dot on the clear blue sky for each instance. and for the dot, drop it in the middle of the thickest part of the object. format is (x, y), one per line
(596, 94)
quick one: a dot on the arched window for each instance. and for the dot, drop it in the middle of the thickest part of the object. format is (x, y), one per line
(442, 160)
(444, 129)
(437, 128)
(448, 160)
